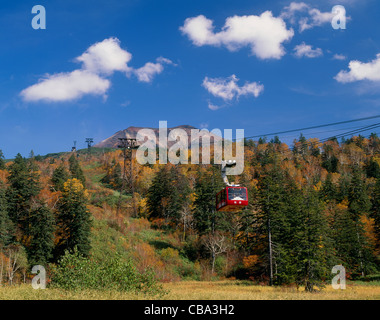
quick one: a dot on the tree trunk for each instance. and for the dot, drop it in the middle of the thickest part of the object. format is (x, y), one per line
(213, 263)
(270, 253)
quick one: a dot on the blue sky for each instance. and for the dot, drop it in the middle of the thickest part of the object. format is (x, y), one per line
(103, 65)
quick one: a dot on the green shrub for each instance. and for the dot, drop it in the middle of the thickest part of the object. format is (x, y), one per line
(170, 255)
(75, 272)
(189, 270)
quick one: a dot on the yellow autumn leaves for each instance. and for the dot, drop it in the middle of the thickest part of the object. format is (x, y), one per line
(74, 186)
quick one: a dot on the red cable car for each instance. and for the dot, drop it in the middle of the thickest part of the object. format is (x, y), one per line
(232, 198)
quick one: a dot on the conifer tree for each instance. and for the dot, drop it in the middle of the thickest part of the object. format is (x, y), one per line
(308, 244)
(372, 169)
(73, 220)
(375, 211)
(23, 187)
(6, 225)
(2, 160)
(41, 232)
(76, 170)
(207, 185)
(328, 191)
(329, 160)
(159, 194)
(247, 241)
(180, 194)
(345, 240)
(168, 194)
(34, 221)
(60, 176)
(343, 189)
(358, 205)
(271, 202)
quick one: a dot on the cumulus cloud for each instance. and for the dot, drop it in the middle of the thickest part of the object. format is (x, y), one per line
(360, 71)
(296, 11)
(105, 57)
(147, 72)
(264, 34)
(228, 89)
(305, 50)
(98, 62)
(66, 86)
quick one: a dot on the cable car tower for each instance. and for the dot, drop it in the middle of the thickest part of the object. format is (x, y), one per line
(89, 142)
(233, 197)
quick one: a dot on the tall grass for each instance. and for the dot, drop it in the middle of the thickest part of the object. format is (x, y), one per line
(197, 290)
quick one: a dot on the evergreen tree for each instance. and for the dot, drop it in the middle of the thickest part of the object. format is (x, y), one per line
(328, 191)
(246, 240)
(372, 169)
(168, 194)
(375, 211)
(159, 193)
(358, 205)
(42, 225)
(73, 220)
(308, 243)
(23, 187)
(35, 230)
(31, 154)
(60, 176)
(180, 194)
(329, 160)
(207, 185)
(358, 199)
(6, 225)
(2, 160)
(76, 170)
(343, 189)
(345, 239)
(271, 214)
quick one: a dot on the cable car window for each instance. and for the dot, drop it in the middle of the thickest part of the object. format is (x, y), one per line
(237, 194)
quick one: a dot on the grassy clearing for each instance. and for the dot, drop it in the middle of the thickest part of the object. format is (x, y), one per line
(196, 290)
(235, 290)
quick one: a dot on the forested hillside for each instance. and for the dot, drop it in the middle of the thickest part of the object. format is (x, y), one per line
(311, 206)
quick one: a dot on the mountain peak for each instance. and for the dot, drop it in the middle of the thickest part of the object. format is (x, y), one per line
(131, 132)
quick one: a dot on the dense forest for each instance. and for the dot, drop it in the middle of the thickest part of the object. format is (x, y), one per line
(311, 206)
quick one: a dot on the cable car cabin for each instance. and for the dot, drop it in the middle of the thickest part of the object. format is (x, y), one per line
(232, 199)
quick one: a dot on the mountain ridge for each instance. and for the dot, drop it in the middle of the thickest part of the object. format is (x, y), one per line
(131, 133)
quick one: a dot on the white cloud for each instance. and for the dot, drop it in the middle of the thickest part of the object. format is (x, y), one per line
(360, 71)
(213, 107)
(317, 18)
(66, 86)
(100, 60)
(105, 57)
(290, 11)
(339, 57)
(305, 50)
(228, 89)
(149, 70)
(264, 34)
(314, 17)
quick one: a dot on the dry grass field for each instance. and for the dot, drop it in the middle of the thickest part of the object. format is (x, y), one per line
(195, 290)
